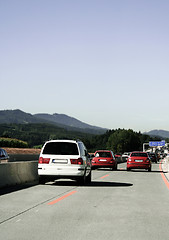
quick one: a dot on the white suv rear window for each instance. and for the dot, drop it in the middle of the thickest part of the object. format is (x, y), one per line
(61, 148)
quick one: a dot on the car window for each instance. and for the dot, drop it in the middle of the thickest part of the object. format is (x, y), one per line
(103, 154)
(61, 148)
(82, 149)
(112, 154)
(139, 155)
(4, 153)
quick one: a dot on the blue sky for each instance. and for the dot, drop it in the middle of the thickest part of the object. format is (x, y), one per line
(104, 62)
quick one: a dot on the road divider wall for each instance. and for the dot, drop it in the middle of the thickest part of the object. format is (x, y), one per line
(23, 157)
(13, 173)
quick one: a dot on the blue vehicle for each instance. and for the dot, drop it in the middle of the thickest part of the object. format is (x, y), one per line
(3, 155)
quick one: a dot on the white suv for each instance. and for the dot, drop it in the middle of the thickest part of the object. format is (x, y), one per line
(64, 159)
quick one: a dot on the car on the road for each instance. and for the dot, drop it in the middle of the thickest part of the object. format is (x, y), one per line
(3, 155)
(153, 157)
(104, 159)
(118, 155)
(138, 160)
(91, 156)
(64, 159)
(125, 155)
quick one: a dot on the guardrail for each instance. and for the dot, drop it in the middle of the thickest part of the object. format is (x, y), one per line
(13, 173)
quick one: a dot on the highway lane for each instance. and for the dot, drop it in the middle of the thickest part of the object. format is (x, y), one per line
(116, 205)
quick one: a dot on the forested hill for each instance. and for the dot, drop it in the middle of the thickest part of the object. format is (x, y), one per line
(64, 119)
(60, 120)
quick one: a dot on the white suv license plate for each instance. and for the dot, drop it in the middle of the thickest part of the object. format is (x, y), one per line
(138, 160)
(60, 161)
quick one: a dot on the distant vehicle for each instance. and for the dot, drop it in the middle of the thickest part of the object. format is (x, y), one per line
(91, 156)
(166, 151)
(125, 155)
(104, 159)
(64, 159)
(138, 160)
(153, 157)
(118, 155)
(162, 155)
(3, 155)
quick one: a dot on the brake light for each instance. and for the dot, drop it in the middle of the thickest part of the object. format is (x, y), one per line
(78, 161)
(44, 160)
(112, 160)
(129, 159)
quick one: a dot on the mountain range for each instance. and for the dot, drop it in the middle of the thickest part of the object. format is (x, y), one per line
(158, 133)
(61, 120)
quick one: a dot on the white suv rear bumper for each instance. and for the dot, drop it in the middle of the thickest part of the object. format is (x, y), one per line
(46, 170)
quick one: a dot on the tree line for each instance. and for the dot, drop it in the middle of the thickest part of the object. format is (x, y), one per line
(12, 143)
(119, 141)
(34, 135)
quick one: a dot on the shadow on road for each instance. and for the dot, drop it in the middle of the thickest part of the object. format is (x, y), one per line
(109, 184)
(92, 184)
(143, 171)
(10, 189)
(132, 170)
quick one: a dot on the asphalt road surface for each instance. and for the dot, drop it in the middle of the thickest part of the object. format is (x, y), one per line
(116, 205)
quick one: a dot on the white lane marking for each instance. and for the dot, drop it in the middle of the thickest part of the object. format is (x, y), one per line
(18, 220)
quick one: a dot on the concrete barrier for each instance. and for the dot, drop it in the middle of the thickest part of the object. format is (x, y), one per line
(23, 157)
(13, 173)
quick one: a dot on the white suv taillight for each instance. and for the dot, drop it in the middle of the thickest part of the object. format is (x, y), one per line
(44, 160)
(78, 161)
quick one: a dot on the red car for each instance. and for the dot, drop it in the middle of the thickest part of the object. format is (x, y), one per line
(104, 159)
(138, 160)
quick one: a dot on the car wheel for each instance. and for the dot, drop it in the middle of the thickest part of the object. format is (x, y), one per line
(89, 177)
(128, 169)
(115, 167)
(149, 169)
(82, 180)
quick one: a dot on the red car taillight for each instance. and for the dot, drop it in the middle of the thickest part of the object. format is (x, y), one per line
(44, 160)
(112, 160)
(78, 161)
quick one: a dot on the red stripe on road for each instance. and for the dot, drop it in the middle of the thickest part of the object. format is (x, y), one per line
(61, 198)
(164, 177)
(104, 176)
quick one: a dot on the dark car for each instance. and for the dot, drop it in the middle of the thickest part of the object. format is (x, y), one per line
(3, 155)
(104, 159)
(153, 157)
